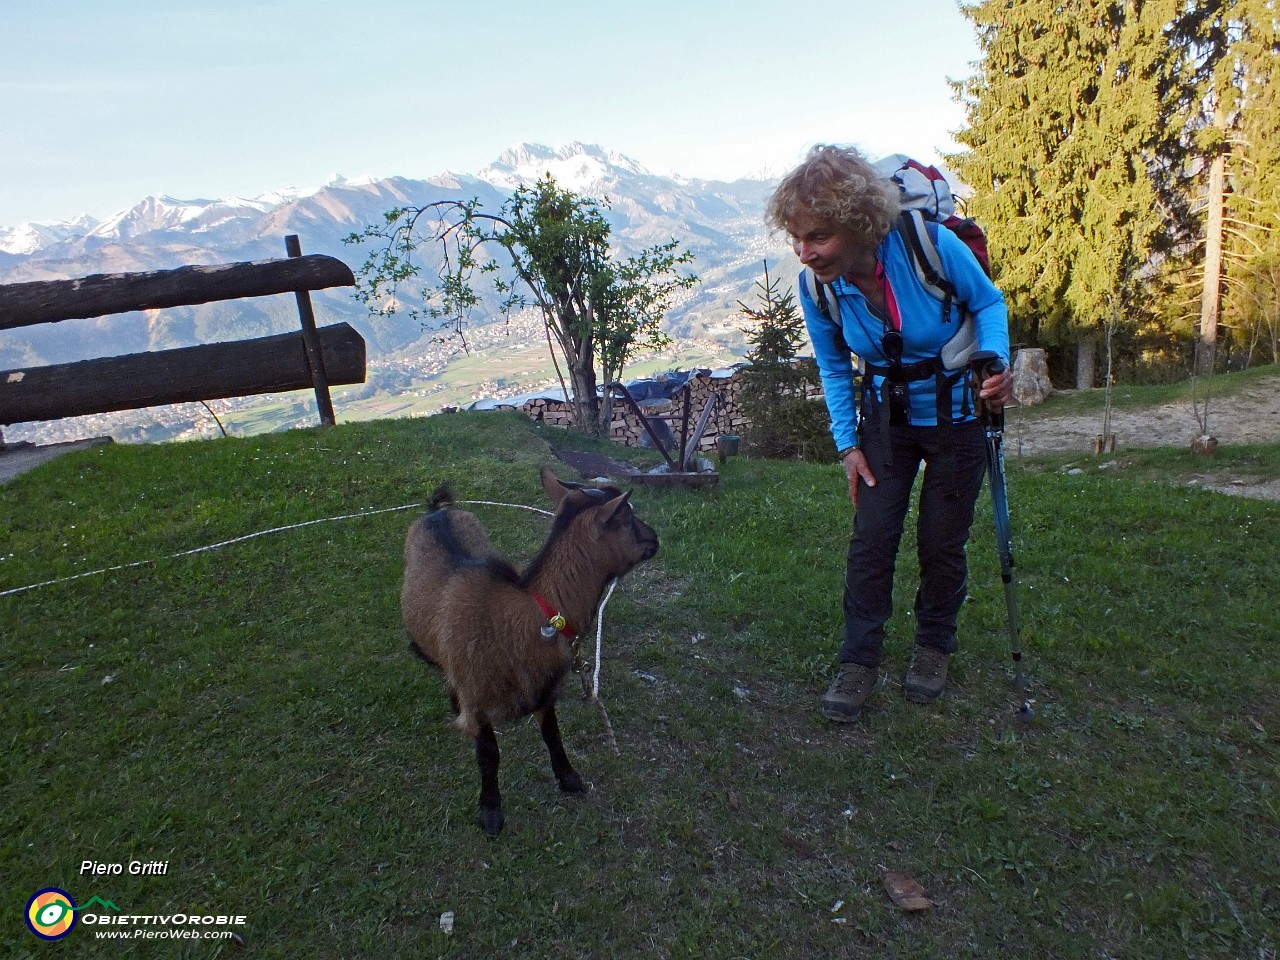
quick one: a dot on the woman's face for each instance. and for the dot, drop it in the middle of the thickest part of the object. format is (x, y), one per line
(828, 249)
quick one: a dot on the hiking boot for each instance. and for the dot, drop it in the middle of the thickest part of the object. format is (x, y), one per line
(927, 675)
(849, 691)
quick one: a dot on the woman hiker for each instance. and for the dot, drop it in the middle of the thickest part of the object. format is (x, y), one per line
(909, 405)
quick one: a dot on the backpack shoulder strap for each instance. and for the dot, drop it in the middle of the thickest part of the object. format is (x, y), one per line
(820, 293)
(921, 238)
(823, 296)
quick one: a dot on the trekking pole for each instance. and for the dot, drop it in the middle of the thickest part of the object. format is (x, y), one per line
(984, 364)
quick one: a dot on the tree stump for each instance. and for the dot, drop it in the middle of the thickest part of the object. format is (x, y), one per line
(1031, 383)
(1203, 446)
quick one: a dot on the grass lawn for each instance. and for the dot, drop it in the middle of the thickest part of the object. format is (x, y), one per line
(250, 716)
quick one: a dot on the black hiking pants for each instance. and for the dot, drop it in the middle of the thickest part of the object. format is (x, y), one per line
(954, 459)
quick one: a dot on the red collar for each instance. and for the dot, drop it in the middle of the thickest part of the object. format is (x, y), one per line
(554, 617)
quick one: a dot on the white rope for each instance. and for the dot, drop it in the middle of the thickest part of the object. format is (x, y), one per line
(249, 536)
(595, 682)
(519, 506)
(595, 679)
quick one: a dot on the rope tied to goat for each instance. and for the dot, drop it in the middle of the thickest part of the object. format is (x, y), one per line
(591, 695)
(594, 695)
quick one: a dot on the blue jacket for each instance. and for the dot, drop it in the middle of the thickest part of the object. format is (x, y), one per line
(923, 330)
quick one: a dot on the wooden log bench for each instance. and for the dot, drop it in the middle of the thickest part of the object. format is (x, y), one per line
(315, 358)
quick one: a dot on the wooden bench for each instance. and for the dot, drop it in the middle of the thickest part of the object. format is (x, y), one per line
(312, 357)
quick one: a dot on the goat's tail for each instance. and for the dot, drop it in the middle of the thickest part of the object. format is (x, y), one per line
(443, 497)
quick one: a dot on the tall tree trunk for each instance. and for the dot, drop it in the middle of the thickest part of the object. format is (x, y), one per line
(1211, 290)
(1086, 360)
(586, 400)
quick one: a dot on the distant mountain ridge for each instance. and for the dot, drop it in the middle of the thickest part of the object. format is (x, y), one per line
(28, 238)
(722, 223)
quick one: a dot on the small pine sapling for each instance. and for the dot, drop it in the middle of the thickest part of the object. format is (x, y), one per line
(785, 421)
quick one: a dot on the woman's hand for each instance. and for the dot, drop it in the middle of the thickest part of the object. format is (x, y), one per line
(997, 389)
(855, 468)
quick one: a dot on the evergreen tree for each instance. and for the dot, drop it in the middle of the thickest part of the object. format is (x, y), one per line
(1251, 303)
(1227, 272)
(1067, 118)
(1206, 28)
(784, 422)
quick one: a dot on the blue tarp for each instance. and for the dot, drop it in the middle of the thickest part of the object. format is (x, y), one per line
(662, 388)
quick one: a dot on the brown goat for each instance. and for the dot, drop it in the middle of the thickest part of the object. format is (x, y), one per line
(505, 638)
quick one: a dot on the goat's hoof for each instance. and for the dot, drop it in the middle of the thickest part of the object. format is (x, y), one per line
(491, 820)
(572, 783)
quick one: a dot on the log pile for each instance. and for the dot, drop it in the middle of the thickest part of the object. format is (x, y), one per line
(554, 413)
(625, 427)
(667, 416)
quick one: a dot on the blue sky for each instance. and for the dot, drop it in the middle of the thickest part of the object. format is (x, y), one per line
(104, 102)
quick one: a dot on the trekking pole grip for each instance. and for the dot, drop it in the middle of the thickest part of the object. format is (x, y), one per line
(984, 364)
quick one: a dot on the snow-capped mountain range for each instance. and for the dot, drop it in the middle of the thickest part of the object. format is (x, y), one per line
(29, 238)
(577, 167)
(722, 223)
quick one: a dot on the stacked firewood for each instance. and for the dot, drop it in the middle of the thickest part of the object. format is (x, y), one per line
(554, 413)
(665, 416)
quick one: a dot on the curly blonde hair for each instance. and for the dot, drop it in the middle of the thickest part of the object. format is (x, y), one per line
(836, 185)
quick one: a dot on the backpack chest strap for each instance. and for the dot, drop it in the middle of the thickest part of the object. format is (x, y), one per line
(906, 372)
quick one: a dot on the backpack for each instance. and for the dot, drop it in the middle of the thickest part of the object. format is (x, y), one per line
(927, 201)
(927, 197)
(926, 190)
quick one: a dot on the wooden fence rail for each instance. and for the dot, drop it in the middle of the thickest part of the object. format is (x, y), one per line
(48, 301)
(312, 357)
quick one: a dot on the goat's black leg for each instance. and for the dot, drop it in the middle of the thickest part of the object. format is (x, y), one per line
(487, 757)
(568, 778)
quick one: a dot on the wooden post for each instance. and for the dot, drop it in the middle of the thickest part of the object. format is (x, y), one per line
(315, 359)
(684, 425)
(691, 446)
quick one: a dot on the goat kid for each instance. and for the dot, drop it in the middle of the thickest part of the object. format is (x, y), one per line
(505, 638)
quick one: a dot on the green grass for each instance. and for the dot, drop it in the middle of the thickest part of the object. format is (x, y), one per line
(251, 715)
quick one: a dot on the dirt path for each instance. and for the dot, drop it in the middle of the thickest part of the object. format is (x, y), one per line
(1249, 415)
(20, 458)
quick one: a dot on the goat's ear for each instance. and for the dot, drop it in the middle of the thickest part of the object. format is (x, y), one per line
(556, 490)
(609, 511)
